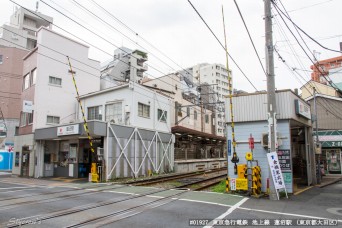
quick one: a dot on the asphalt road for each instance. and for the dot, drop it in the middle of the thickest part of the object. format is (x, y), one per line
(46, 203)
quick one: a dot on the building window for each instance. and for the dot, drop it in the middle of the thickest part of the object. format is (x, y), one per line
(30, 117)
(95, 113)
(206, 118)
(52, 120)
(162, 115)
(143, 110)
(26, 81)
(114, 112)
(1, 59)
(23, 121)
(33, 76)
(195, 115)
(55, 81)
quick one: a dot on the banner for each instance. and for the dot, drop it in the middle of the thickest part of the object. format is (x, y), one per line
(277, 176)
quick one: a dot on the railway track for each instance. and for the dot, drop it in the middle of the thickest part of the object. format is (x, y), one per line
(174, 177)
(189, 179)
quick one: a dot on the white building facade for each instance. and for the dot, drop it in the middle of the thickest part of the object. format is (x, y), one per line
(21, 32)
(49, 94)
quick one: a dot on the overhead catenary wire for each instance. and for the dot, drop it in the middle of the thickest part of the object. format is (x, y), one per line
(250, 37)
(211, 31)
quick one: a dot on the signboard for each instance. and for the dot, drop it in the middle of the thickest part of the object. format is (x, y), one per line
(330, 138)
(229, 147)
(287, 178)
(277, 176)
(302, 109)
(233, 184)
(68, 130)
(27, 106)
(241, 184)
(284, 157)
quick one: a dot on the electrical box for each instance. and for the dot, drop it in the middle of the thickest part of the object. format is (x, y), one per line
(241, 170)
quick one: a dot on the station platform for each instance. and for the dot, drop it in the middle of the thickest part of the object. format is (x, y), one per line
(190, 165)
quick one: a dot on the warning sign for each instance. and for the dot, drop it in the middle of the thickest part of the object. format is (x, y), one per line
(241, 184)
(233, 184)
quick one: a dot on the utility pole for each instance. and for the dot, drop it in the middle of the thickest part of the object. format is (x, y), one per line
(271, 100)
(316, 144)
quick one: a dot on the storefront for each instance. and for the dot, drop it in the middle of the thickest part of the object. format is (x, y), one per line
(64, 151)
(331, 156)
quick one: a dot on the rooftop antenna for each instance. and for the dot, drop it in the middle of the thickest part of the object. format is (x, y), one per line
(37, 5)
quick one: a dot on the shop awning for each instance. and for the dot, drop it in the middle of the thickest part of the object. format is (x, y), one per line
(195, 133)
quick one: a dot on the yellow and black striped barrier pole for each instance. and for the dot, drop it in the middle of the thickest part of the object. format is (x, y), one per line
(93, 170)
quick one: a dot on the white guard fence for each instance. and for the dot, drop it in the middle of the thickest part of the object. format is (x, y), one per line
(134, 152)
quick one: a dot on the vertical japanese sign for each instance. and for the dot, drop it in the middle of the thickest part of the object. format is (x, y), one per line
(233, 184)
(275, 170)
(229, 147)
(284, 160)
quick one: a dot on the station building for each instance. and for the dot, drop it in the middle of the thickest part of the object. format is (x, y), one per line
(294, 136)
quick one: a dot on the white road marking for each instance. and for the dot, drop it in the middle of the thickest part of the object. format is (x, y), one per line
(10, 188)
(335, 211)
(283, 213)
(230, 210)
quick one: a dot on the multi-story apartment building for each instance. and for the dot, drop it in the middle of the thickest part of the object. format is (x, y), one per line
(11, 67)
(48, 93)
(21, 32)
(215, 75)
(127, 65)
(328, 71)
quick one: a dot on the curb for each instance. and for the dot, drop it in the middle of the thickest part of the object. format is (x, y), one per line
(303, 190)
(329, 183)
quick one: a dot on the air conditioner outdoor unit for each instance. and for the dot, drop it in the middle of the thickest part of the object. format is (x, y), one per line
(264, 140)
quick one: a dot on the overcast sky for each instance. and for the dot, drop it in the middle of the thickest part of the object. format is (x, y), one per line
(177, 31)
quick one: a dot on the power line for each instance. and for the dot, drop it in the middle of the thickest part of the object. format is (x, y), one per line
(282, 59)
(86, 72)
(84, 40)
(329, 81)
(72, 58)
(250, 37)
(111, 26)
(305, 7)
(277, 8)
(221, 44)
(301, 47)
